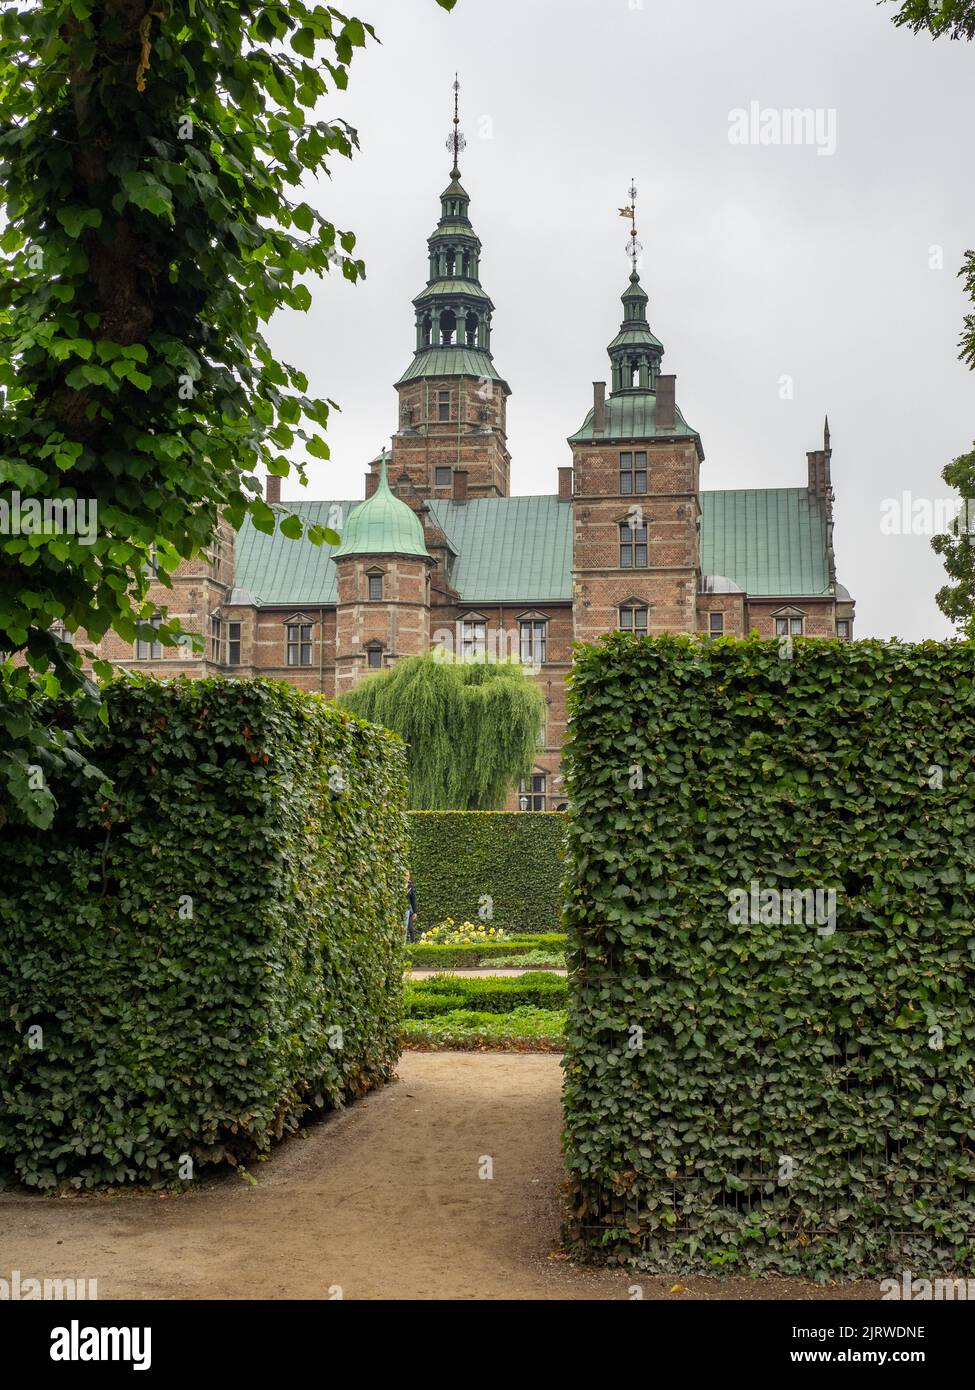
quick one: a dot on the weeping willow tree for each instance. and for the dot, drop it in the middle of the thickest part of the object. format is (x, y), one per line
(471, 727)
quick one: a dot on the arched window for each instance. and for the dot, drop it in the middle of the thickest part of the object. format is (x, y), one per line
(471, 330)
(426, 329)
(448, 327)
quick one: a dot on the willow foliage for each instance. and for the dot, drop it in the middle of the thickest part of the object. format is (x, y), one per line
(471, 727)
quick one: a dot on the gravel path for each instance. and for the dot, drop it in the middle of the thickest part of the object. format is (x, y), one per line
(384, 1201)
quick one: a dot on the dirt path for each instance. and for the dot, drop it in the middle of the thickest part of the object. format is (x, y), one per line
(384, 1202)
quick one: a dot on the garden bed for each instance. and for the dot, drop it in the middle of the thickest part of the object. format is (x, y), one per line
(515, 1013)
(424, 956)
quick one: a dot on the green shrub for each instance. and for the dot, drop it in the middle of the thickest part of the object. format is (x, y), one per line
(541, 958)
(524, 1029)
(492, 994)
(210, 953)
(782, 1096)
(461, 859)
(423, 957)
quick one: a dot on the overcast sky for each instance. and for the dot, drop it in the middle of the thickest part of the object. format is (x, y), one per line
(762, 261)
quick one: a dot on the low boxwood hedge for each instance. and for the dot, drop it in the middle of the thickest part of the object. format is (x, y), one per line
(525, 1029)
(423, 957)
(507, 864)
(492, 994)
(190, 966)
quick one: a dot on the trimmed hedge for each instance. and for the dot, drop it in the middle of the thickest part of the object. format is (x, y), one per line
(778, 1097)
(211, 953)
(525, 1029)
(461, 858)
(422, 957)
(497, 994)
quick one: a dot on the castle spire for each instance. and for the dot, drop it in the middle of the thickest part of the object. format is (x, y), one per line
(635, 353)
(456, 139)
(453, 312)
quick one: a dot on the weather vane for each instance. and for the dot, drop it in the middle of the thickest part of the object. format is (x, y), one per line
(634, 248)
(455, 140)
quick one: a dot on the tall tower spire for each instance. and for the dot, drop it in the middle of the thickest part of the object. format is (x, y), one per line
(635, 353)
(456, 139)
(451, 392)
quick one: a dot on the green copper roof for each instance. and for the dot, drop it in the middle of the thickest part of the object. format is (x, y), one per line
(438, 288)
(382, 525)
(770, 541)
(451, 361)
(635, 335)
(276, 570)
(510, 549)
(631, 415)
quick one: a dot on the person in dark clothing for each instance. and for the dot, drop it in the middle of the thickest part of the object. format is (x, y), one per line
(411, 912)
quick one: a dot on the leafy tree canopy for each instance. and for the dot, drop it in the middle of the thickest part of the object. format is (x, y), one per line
(956, 18)
(146, 152)
(957, 547)
(471, 727)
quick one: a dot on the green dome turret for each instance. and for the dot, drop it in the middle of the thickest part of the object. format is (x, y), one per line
(382, 525)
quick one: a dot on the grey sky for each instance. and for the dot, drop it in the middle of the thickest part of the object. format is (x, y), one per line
(761, 262)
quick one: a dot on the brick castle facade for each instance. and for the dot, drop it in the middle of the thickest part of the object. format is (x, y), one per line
(441, 553)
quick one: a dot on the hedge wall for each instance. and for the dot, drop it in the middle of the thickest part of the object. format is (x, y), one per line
(187, 968)
(786, 1097)
(460, 858)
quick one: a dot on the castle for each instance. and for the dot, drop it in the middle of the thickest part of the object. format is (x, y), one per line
(441, 553)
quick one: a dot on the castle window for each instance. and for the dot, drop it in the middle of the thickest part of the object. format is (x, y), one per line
(633, 545)
(473, 637)
(299, 644)
(450, 263)
(233, 644)
(533, 641)
(443, 405)
(716, 624)
(531, 792)
(448, 326)
(470, 324)
(374, 657)
(375, 586)
(633, 618)
(149, 651)
(466, 264)
(426, 329)
(633, 473)
(216, 640)
(844, 629)
(442, 477)
(789, 626)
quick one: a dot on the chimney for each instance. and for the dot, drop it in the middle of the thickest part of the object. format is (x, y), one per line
(272, 489)
(460, 485)
(598, 407)
(372, 482)
(817, 463)
(666, 403)
(565, 482)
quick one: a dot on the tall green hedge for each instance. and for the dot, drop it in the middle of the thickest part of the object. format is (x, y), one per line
(468, 863)
(190, 966)
(774, 1096)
